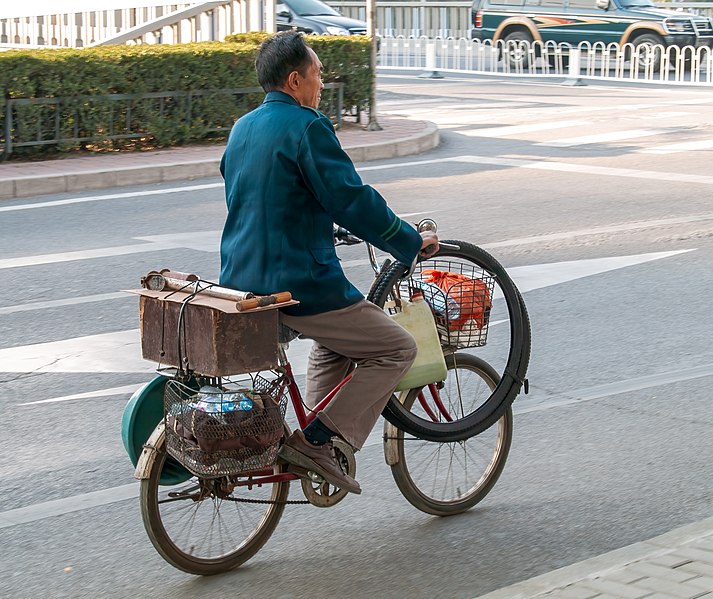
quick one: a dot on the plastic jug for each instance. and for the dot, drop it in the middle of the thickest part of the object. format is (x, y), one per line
(430, 366)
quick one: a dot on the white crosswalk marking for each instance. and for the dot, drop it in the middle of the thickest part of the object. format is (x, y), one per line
(602, 138)
(526, 115)
(519, 129)
(688, 146)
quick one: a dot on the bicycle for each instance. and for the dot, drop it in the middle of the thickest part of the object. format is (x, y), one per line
(428, 438)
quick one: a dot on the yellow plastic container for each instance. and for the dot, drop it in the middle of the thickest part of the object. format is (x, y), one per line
(430, 366)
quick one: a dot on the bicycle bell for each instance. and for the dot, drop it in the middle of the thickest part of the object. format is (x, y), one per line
(427, 224)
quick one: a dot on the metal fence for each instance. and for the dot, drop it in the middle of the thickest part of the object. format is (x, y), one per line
(447, 18)
(111, 118)
(653, 64)
(203, 21)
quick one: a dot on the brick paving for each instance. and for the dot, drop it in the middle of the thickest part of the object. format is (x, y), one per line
(676, 565)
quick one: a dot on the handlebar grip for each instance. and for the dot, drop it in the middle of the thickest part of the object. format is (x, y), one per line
(263, 300)
(341, 233)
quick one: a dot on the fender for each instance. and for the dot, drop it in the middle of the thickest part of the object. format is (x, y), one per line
(529, 24)
(391, 444)
(649, 26)
(148, 455)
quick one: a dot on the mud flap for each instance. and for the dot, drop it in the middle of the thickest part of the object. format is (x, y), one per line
(139, 422)
(391, 448)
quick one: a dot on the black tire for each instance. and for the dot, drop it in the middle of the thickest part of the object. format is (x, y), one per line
(649, 59)
(511, 371)
(185, 554)
(444, 479)
(516, 49)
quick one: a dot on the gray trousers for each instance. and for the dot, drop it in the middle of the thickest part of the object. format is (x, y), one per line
(361, 336)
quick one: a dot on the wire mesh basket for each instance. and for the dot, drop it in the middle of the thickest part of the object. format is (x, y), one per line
(460, 296)
(216, 431)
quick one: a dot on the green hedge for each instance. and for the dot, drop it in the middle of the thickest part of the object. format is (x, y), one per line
(81, 77)
(345, 59)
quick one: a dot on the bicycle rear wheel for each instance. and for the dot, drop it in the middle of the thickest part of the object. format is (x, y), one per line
(203, 528)
(507, 331)
(449, 478)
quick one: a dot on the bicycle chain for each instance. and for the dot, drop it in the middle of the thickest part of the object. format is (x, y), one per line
(246, 500)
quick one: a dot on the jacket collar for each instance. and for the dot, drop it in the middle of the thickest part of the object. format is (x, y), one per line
(277, 96)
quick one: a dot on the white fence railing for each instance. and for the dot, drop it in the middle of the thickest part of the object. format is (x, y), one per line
(688, 65)
(163, 23)
(432, 18)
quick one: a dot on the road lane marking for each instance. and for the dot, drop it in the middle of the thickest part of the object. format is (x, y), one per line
(584, 169)
(67, 505)
(689, 146)
(205, 241)
(70, 301)
(534, 404)
(520, 129)
(105, 252)
(472, 159)
(120, 351)
(691, 101)
(663, 222)
(602, 138)
(112, 391)
(111, 196)
(116, 352)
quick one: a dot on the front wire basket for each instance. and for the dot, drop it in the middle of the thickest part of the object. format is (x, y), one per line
(225, 430)
(460, 296)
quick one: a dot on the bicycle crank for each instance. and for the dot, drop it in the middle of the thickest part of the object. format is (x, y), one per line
(317, 490)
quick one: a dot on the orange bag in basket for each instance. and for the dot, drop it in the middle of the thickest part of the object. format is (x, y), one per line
(472, 296)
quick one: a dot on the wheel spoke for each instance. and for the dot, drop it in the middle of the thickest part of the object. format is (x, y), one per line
(216, 532)
(446, 478)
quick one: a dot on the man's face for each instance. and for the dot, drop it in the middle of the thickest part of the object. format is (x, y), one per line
(310, 87)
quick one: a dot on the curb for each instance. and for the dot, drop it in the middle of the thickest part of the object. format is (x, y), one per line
(601, 565)
(418, 143)
(36, 185)
(21, 187)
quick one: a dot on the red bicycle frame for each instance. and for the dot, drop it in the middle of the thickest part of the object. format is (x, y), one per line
(305, 416)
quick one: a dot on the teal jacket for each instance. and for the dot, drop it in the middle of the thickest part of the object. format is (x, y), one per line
(287, 180)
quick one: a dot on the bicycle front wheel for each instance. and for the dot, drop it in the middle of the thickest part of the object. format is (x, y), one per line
(204, 527)
(498, 334)
(449, 478)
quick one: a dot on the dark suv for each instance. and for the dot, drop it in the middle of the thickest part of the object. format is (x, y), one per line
(313, 16)
(637, 22)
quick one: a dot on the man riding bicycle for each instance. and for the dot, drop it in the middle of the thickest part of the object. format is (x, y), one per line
(287, 183)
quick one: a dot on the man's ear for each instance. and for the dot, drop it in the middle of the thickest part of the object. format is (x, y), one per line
(293, 81)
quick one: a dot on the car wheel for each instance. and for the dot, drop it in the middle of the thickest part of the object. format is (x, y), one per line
(517, 46)
(648, 49)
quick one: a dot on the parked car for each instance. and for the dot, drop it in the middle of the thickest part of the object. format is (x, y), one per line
(637, 22)
(313, 16)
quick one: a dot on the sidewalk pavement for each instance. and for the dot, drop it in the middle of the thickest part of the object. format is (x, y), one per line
(399, 137)
(675, 565)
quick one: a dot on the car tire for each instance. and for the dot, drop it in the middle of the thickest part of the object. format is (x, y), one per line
(516, 49)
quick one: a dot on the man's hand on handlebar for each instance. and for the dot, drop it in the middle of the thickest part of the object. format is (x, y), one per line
(344, 237)
(429, 246)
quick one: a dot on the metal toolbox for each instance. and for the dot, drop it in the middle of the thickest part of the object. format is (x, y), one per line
(207, 335)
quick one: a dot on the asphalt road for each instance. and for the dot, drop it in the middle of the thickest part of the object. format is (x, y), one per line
(595, 198)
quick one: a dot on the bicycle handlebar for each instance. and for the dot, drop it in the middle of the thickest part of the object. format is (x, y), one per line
(344, 237)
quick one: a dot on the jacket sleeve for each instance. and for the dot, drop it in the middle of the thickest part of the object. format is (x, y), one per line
(332, 178)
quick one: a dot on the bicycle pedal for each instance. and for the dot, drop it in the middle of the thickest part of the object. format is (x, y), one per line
(304, 473)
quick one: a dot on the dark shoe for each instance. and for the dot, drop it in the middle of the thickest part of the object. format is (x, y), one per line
(318, 458)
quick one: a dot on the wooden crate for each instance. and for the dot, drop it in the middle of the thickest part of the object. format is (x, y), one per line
(215, 339)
